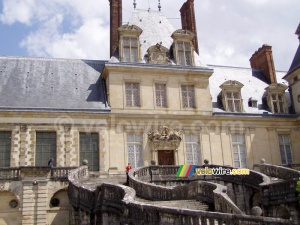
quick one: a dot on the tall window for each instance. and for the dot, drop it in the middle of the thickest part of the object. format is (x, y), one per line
(132, 94)
(184, 53)
(45, 148)
(188, 96)
(130, 49)
(239, 152)
(161, 95)
(278, 103)
(192, 149)
(285, 148)
(89, 149)
(233, 100)
(134, 148)
(5, 146)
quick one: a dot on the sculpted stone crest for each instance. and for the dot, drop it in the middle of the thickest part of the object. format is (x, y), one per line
(165, 137)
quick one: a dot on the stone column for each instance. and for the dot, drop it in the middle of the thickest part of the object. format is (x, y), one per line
(35, 200)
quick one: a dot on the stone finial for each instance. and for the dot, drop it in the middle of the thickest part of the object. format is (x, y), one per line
(134, 4)
(256, 211)
(206, 161)
(153, 162)
(262, 161)
(85, 162)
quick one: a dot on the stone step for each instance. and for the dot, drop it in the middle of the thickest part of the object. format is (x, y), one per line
(184, 204)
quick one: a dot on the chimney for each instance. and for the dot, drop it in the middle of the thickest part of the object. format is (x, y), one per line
(115, 23)
(263, 59)
(188, 20)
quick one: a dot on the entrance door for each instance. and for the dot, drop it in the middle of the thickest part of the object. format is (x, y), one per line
(165, 157)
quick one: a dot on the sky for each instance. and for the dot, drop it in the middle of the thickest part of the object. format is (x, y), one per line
(229, 31)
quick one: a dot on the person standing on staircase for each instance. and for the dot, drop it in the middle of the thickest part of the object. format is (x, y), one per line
(128, 168)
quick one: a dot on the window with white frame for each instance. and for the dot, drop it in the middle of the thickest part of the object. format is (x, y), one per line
(130, 49)
(233, 100)
(132, 94)
(192, 149)
(134, 149)
(5, 146)
(188, 96)
(239, 151)
(184, 53)
(285, 148)
(161, 95)
(278, 103)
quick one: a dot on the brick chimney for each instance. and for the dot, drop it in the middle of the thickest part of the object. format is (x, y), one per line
(115, 23)
(263, 59)
(188, 20)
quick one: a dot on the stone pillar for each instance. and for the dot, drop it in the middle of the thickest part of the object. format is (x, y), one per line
(15, 148)
(35, 200)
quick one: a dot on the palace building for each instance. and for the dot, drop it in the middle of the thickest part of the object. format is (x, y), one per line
(153, 101)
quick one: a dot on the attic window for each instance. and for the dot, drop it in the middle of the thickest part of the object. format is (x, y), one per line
(231, 96)
(276, 98)
(130, 49)
(253, 103)
(183, 47)
(129, 45)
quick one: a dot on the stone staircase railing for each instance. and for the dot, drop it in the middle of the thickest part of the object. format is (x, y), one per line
(17, 173)
(200, 190)
(280, 191)
(115, 204)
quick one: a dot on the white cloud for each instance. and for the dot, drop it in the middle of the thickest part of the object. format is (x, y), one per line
(17, 11)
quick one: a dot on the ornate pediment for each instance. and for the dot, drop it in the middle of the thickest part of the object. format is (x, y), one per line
(165, 137)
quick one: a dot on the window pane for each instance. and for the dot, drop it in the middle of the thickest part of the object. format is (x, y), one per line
(89, 149)
(134, 55)
(135, 148)
(161, 95)
(132, 91)
(239, 150)
(45, 148)
(188, 96)
(5, 146)
(126, 54)
(188, 58)
(193, 155)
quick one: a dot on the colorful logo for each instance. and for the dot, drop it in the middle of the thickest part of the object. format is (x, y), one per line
(185, 171)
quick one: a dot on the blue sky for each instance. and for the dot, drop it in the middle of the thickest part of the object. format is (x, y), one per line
(229, 31)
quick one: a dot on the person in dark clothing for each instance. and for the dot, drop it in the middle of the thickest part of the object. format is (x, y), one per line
(50, 162)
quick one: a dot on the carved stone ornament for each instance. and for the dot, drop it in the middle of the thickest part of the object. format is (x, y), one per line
(24, 128)
(1, 186)
(165, 137)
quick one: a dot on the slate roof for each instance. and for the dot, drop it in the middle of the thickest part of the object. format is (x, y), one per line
(254, 86)
(296, 61)
(51, 85)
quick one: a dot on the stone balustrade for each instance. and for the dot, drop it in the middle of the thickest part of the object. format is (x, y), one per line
(18, 173)
(280, 172)
(115, 204)
(10, 173)
(282, 190)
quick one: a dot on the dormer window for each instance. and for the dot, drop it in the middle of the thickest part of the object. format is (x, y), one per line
(130, 49)
(253, 102)
(129, 46)
(276, 98)
(231, 96)
(183, 48)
